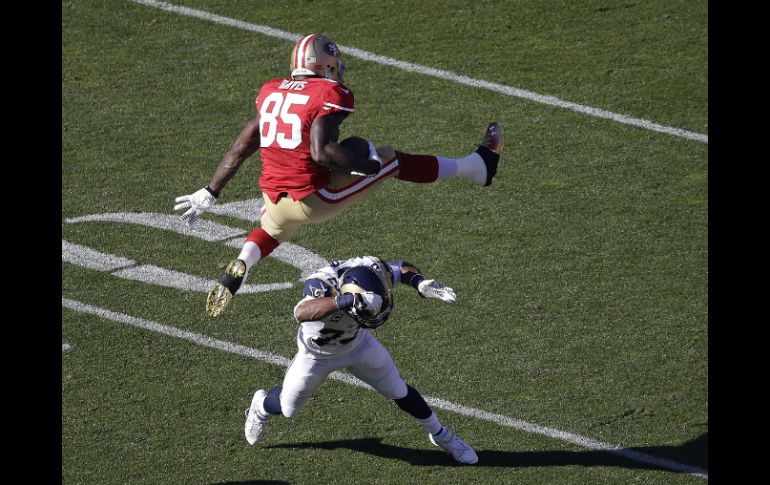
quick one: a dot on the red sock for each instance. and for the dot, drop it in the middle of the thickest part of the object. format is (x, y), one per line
(265, 241)
(421, 169)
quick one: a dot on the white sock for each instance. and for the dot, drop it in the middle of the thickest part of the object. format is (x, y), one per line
(471, 167)
(250, 254)
(431, 423)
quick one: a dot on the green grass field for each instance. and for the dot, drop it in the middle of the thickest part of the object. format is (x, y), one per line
(581, 273)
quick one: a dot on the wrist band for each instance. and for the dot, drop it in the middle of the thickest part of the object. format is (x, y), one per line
(345, 302)
(416, 280)
(211, 191)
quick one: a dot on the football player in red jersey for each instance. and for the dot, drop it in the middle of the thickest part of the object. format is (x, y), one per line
(307, 176)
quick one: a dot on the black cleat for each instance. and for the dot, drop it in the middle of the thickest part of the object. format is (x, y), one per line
(490, 149)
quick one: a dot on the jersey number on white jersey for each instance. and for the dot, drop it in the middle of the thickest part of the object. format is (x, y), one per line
(275, 110)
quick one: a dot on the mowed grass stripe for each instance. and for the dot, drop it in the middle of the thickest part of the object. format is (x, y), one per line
(438, 73)
(436, 402)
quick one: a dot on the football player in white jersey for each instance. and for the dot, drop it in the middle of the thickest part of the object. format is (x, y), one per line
(341, 303)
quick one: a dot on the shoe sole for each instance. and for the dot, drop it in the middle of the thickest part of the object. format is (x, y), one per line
(430, 437)
(501, 137)
(218, 299)
(224, 289)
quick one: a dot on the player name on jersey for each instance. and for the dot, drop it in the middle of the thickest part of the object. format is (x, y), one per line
(293, 85)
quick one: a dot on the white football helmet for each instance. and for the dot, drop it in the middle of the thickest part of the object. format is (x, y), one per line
(317, 55)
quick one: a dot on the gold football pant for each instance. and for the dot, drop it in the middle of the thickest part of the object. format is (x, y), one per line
(282, 219)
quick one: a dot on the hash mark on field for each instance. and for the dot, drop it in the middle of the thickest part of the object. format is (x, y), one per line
(438, 73)
(65, 347)
(436, 402)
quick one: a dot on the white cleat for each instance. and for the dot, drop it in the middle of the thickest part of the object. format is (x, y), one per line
(255, 425)
(459, 449)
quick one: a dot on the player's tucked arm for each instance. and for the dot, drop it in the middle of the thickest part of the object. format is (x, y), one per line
(244, 146)
(326, 152)
(315, 309)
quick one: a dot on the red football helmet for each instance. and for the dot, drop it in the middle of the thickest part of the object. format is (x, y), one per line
(317, 55)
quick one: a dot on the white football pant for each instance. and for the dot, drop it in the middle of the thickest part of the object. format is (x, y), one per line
(370, 362)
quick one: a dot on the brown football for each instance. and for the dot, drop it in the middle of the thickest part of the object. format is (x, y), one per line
(359, 145)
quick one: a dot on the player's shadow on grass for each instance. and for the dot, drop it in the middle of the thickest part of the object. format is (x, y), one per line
(692, 453)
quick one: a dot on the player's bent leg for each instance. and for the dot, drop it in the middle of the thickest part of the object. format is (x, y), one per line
(387, 154)
(279, 221)
(327, 204)
(302, 378)
(372, 363)
(414, 404)
(259, 244)
(344, 190)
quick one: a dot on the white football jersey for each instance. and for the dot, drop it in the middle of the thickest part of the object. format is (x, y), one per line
(337, 333)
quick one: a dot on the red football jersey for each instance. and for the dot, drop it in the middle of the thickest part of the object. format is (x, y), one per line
(286, 110)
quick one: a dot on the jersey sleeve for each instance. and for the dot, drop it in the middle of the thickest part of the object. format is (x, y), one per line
(317, 288)
(337, 99)
(395, 270)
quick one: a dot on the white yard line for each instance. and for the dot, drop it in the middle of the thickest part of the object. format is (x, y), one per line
(86, 257)
(436, 402)
(125, 268)
(203, 229)
(430, 71)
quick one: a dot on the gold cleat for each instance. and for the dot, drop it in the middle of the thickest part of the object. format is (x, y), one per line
(224, 289)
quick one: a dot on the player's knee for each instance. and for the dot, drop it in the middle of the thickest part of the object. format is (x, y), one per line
(290, 405)
(289, 412)
(386, 153)
(395, 390)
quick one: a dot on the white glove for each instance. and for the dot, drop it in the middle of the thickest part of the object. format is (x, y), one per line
(434, 289)
(198, 203)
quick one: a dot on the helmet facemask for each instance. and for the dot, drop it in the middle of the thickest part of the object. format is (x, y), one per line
(360, 279)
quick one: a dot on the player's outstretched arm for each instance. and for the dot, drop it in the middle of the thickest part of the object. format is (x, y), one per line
(200, 201)
(427, 288)
(243, 147)
(326, 152)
